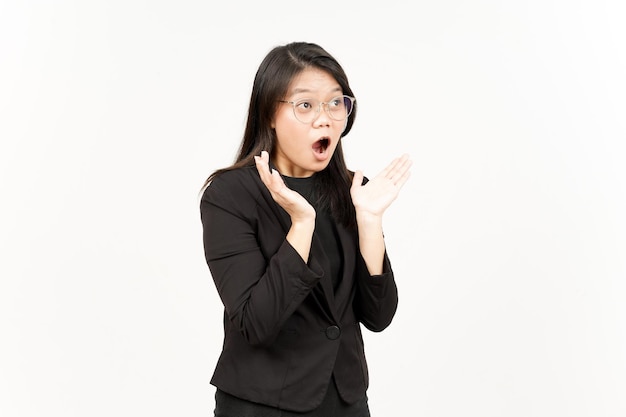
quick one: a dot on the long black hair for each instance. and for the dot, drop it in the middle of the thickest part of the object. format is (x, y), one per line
(279, 67)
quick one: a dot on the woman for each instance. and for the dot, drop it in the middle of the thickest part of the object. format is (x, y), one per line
(294, 243)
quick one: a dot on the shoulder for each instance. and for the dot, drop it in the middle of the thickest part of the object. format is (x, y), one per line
(243, 175)
(237, 184)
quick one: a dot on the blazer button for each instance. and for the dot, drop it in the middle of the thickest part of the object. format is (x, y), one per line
(333, 332)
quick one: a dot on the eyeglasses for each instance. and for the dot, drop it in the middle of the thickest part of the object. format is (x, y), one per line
(307, 110)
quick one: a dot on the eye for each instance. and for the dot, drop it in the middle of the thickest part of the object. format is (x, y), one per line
(336, 103)
(304, 105)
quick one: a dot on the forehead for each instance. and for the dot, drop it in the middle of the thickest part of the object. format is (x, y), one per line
(313, 81)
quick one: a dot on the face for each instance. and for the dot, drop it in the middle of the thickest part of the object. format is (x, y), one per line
(302, 149)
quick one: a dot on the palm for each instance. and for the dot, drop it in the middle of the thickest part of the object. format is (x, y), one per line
(292, 202)
(378, 194)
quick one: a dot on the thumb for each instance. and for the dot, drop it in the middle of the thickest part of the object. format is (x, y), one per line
(357, 179)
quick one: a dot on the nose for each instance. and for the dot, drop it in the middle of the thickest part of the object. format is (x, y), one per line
(322, 118)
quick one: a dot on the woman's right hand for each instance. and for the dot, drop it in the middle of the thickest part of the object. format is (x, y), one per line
(301, 212)
(292, 202)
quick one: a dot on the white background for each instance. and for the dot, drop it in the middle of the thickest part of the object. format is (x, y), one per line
(508, 242)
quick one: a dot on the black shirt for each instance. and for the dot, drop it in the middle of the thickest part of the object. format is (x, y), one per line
(325, 227)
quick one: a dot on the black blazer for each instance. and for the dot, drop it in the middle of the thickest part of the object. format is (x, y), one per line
(285, 330)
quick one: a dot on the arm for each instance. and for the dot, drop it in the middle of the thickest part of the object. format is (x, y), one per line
(370, 202)
(376, 298)
(377, 295)
(260, 286)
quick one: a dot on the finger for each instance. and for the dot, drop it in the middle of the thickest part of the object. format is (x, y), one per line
(262, 168)
(277, 181)
(399, 166)
(385, 173)
(390, 170)
(262, 165)
(357, 179)
(265, 156)
(402, 167)
(403, 179)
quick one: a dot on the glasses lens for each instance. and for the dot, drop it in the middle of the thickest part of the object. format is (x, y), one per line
(305, 110)
(338, 108)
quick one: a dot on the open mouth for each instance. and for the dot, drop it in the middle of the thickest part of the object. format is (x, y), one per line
(321, 145)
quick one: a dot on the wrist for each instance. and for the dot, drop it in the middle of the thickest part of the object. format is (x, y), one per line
(368, 219)
(307, 222)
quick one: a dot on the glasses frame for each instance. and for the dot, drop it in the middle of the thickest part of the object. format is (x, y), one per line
(325, 104)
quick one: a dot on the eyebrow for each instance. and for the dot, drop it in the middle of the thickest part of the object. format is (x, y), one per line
(306, 90)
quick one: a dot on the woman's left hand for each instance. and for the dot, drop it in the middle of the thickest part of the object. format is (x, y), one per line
(373, 198)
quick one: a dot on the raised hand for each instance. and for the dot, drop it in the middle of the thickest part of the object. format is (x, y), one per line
(373, 198)
(294, 204)
(370, 202)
